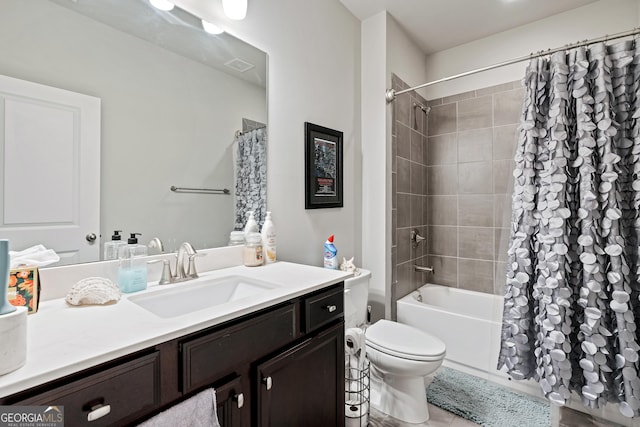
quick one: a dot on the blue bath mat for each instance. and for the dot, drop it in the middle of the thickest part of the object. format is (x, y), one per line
(484, 402)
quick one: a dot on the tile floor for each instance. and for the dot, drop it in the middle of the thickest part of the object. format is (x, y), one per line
(437, 418)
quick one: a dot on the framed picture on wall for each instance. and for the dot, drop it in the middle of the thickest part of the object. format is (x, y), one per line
(323, 167)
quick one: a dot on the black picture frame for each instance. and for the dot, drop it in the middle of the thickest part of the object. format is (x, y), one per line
(323, 167)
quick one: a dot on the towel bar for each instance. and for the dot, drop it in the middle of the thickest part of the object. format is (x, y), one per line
(199, 190)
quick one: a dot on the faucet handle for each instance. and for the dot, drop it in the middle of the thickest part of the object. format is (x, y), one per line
(191, 270)
(166, 277)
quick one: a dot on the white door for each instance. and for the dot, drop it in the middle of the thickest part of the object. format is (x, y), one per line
(50, 169)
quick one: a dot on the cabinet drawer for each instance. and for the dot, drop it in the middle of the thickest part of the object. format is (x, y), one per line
(130, 390)
(324, 307)
(219, 353)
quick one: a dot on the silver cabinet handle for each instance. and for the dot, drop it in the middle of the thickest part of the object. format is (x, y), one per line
(98, 412)
(268, 382)
(331, 308)
(240, 399)
(91, 237)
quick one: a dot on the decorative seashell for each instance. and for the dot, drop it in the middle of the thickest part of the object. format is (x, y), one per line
(93, 290)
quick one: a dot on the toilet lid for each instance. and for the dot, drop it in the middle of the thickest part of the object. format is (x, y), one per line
(404, 341)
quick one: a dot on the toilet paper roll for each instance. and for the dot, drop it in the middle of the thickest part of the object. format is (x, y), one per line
(356, 413)
(13, 340)
(353, 341)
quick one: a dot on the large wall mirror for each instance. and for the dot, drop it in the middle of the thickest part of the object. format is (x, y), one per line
(172, 98)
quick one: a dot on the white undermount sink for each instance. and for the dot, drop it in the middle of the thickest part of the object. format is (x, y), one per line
(186, 297)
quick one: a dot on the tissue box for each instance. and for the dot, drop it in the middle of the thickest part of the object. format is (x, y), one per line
(24, 287)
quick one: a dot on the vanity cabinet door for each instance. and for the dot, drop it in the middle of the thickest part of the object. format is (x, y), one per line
(114, 396)
(232, 405)
(304, 386)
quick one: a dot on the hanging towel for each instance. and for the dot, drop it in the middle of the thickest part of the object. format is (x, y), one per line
(35, 256)
(197, 411)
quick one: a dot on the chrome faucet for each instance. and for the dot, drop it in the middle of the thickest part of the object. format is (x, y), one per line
(186, 249)
(180, 275)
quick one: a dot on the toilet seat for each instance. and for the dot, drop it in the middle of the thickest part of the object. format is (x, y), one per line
(404, 341)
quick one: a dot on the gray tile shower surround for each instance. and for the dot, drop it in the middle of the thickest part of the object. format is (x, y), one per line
(451, 178)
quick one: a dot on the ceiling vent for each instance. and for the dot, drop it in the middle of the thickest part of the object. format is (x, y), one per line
(239, 65)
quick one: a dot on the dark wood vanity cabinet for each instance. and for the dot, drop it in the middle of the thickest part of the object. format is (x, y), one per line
(112, 395)
(304, 386)
(281, 366)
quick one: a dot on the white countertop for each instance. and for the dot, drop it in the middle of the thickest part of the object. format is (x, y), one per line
(64, 339)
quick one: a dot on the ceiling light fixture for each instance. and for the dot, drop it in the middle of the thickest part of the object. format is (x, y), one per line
(235, 9)
(211, 28)
(165, 5)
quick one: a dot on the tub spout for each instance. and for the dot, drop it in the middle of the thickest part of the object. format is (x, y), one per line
(423, 269)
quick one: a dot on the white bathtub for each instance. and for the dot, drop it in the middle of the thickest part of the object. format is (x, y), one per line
(468, 322)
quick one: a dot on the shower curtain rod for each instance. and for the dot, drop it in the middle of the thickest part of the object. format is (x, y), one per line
(391, 93)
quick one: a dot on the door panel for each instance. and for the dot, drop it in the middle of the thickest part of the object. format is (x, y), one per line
(50, 169)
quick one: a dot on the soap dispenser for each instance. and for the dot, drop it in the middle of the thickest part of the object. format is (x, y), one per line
(111, 247)
(251, 226)
(132, 272)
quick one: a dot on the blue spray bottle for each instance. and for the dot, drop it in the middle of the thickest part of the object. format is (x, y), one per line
(330, 254)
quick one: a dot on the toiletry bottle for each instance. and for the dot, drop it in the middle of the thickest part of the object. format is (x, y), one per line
(132, 273)
(269, 239)
(111, 247)
(251, 226)
(330, 254)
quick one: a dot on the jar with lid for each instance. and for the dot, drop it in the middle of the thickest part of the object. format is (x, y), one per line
(253, 250)
(236, 238)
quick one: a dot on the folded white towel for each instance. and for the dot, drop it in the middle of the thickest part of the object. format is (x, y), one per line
(197, 411)
(36, 256)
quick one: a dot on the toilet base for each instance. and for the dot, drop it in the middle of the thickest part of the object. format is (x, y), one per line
(403, 398)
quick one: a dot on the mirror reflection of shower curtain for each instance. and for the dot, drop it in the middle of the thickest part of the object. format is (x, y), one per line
(571, 305)
(251, 176)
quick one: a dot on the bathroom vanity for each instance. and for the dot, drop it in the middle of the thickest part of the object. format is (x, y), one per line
(274, 359)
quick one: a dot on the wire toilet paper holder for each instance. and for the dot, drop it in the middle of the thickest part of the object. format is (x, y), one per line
(357, 391)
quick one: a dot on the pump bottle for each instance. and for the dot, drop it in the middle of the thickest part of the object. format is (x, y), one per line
(132, 272)
(251, 226)
(111, 247)
(269, 240)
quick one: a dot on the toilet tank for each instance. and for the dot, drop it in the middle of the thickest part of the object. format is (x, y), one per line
(356, 295)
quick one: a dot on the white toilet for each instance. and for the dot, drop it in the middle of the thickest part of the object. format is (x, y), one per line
(400, 355)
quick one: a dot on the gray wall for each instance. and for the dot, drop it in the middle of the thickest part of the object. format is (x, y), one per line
(452, 181)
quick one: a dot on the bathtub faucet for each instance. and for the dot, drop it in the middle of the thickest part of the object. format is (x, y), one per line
(423, 269)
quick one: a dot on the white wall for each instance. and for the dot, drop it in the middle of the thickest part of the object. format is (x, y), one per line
(404, 57)
(590, 21)
(314, 76)
(376, 229)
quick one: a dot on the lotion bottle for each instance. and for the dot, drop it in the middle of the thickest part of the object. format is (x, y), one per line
(251, 226)
(132, 272)
(269, 240)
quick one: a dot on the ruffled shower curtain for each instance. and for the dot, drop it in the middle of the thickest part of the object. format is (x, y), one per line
(251, 176)
(571, 306)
